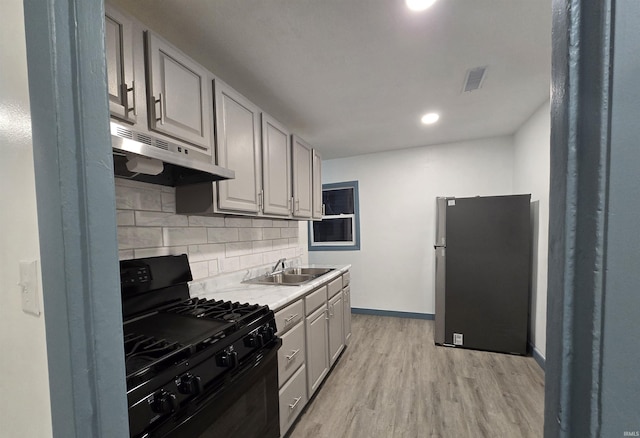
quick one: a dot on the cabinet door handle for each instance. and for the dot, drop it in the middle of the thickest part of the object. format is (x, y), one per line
(161, 111)
(291, 318)
(132, 109)
(326, 314)
(260, 200)
(323, 213)
(292, 355)
(297, 205)
(290, 204)
(293, 405)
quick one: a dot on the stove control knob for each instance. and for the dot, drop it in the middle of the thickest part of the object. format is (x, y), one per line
(268, 333)
(254, 340)
(189, 384)
(228, 359)
(163, 402)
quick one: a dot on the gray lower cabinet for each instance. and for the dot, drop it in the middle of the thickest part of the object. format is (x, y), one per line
(346, 296)
(336, 324)
(293, 398)
(317, 348)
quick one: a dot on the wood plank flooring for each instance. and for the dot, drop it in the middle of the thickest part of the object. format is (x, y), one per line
(392, 381)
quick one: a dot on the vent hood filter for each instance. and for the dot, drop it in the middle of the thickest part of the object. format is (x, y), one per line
(474, 79)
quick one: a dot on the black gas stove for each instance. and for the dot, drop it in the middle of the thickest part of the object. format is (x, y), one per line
(195, 367)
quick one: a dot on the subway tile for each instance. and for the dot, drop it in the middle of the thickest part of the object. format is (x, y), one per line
(290, 253)
(294, 242)
(199, 270)
(168, 202)
(139, 237)
(125, 217)
(262, 246)
(294, 224)
(162, 251)
(271, 257)
(262, 223)
(250, 261)
(222, 235)
(160, 219)
(206, 221)
(123, 182)
(281, 223)
(289, 232)
(237, 222)
(184, 236)
(229, 264)
(237, 249)
(130, 198)
(210, 251)
(271, 233)
(245, 234)
(280, 243)
(213, 268)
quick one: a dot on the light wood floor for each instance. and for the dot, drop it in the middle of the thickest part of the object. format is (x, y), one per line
(392, 381)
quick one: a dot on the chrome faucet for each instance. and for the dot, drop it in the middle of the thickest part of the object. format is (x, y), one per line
(278, 264)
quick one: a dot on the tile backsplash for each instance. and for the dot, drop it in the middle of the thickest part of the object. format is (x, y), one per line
(149, 226)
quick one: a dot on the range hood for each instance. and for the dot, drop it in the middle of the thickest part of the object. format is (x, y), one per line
(143, 157)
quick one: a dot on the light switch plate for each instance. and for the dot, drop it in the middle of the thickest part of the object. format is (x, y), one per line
(29, 286)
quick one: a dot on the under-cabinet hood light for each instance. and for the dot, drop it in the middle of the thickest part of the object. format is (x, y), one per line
(430, 118)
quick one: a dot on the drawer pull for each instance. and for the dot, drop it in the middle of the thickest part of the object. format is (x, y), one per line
(291, 318)
(293, 405)
(292, 355)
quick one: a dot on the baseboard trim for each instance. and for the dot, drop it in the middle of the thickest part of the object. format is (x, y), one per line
(539, 358)
(376, 312)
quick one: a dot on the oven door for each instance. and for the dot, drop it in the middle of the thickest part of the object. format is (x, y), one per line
(245, 406)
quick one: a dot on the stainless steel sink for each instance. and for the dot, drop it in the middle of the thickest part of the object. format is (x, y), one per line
(316, 272)
(289, 276)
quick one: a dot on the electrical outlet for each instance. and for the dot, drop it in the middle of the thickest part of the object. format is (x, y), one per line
(457, 339)
(29, 285)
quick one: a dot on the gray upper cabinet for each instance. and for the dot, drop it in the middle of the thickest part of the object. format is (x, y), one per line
(120, 72)
(302, 156)
(317, 186)
(276, 167)
(238, 148)
(179, 96)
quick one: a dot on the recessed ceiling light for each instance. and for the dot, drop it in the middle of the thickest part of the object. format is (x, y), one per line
(430, 118)
(419, 5)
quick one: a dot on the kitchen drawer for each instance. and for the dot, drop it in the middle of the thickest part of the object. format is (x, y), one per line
(334, 287)
(346, 279)
(315, 300)
(291, 354)
(289, 316)
(293, 398)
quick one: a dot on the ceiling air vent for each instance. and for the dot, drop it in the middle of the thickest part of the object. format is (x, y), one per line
(475, 78)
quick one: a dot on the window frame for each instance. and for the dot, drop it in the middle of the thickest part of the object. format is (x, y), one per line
(339, 246)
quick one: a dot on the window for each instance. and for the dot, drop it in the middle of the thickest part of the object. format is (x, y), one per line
(339, 229)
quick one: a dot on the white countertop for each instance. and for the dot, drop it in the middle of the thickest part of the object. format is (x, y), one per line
(231, 288)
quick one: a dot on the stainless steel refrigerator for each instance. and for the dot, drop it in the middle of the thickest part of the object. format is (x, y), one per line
(483, 264)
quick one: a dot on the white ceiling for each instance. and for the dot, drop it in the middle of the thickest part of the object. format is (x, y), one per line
(354, 76)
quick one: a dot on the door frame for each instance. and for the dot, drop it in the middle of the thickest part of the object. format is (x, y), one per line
(75, 195)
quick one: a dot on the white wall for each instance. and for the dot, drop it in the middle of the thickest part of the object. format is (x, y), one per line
(531, 175)
(148, 226)
(394, 270)
(25, 409)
